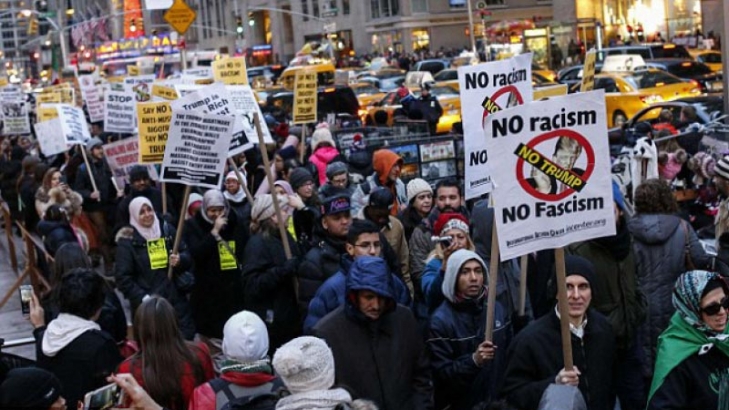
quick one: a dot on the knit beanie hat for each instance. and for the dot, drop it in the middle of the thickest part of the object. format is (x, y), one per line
(722, 167)
(336, 168)
(577, 265)
(138, 173)
(305, 364)
(245, 338)
(321, 135)
(93, 143)
(29, 387)
(448, 221)
(416, 187)
(299, 177)
(287, 152)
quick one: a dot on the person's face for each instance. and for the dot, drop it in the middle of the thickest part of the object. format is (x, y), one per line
(460, 239)
(448, 199)
(55, 179)
(146, 216)
(278, 163)
(232, 186)
(59, 404)
(97, 152)
(337, 225)
(579, 295)
(565, 159)
(339, 181)
(24, 143)
(395, 172)
(306, 191)
(470, 279)
(714, 298)
(214, 212)
(140, 184)
(95, 130)
(280, 191)
(367, 244)
(370, 304)
(423, 203)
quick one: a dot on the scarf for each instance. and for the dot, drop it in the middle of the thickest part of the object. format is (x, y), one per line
(63, 330)
(212, 198)
(687, 334)
(135, 207)
(314, 400)
(237, 198)
(644, 153)
(618, 244)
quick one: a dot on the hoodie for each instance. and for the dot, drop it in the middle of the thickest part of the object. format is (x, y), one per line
(321, 158)
(64, 330)
(383, 161)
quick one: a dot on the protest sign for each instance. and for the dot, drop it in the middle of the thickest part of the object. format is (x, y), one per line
(68, 96)
(485, 89)
(153, 119)
(50, 140)
(15, 117)
(245, 106)
(163, 93)
(11, 93)
(550, 162)
(122, 156)
(204, 72)
(141, 86)
(120, 113)
(184, 89)
(92, 95)
(197, 149)
(550, 91)
(73, 124)
(305, 97)
(51, 97)
(47, 112)
(132, 70)
(230, 71)
(588, 72)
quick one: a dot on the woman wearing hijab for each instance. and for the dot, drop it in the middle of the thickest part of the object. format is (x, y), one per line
(216, 239)
(283, 189)
(692, 365)
(143, 257)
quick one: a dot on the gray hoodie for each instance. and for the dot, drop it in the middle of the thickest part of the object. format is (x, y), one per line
(455, 262)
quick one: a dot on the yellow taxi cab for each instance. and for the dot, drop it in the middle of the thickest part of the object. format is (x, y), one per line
(549, 75)
(324, 70)
(447, 96)
(367, 94)
(709, 57)
(628, 92)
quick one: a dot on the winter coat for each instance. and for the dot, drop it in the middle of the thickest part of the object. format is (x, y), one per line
(658, 243)
(56, 196)
(240, 384)
(83, 364)
(55, 234)
(136, 278)
(9, 172)
(102, 177)
(535, 358)
(155, 197)
(320, 159)
(331, 295)
(320, 263)
(384, 360)
(218, 292)
(383, 161)
(269, 287)
(410, 220)
(27, 189)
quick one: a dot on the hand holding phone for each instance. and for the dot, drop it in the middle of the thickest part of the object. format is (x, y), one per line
(107, 397)
(26, 292)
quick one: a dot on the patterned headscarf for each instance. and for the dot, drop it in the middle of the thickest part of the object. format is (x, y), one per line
(687, 297)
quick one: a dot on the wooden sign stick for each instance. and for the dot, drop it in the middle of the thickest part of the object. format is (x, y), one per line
(563, 308)
(523, 264)
(180, 225)
(88, 169)
(493, 281)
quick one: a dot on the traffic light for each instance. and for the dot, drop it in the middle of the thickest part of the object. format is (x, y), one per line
(33, 26)
(239, 25)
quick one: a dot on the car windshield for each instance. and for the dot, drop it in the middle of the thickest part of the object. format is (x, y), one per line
(688, 69)
(670, 51)
(650, 79)
(446, 75)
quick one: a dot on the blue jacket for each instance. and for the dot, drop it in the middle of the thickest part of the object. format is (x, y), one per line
(331, 295)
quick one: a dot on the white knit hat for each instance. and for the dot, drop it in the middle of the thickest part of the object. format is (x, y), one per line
(245, 338)
(305, 364)
(417, 186)
(320, 135)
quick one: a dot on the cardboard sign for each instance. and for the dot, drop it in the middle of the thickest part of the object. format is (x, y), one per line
(141, 86)
(120, 113)
(15, 118)
(245, 107)
(73, 124)
(305, 98)
(50, 140)
(230, 71)
(92, 96)
(486, 89)
(122, 156)
(588, 72)
(163, 93)
(550, 162)
(153, 119)
(197, 149)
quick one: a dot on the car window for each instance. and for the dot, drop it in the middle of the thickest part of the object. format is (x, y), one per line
(607, 84)
(711, 58)
(446, 75)
(571, 74)
(649, 79)
(670, 51)
(443, 90)
(255, 72)
(365, 89)
(688, 69)
(432, 66)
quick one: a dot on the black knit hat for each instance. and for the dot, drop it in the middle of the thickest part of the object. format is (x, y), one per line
(299, 177)
(577, 265)
(138, 173)
(29, 387)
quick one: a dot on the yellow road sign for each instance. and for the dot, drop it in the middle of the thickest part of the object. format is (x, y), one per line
(180, 16)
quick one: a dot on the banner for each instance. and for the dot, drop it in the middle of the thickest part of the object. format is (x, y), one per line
(50, 140)
(15, 118)
(305, 94)
(245, 106)
(197, 149)
(92, 96)
(73, 124)
(485, 89)
(550, 162)
(120, 113)
(230, 71)
(122, 156)
(153, 119)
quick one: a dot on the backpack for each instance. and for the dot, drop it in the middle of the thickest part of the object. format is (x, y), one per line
(264, 401)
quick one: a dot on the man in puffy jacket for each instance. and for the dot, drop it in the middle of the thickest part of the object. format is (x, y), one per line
(387, 166)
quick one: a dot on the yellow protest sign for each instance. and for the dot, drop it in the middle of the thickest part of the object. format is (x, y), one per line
(115, 79)
(153, 120)
(3, 81)
(204, 81)
(230, 71)
(132, 70)
(46, 113)
(588, 72)
(52, 97)
(550, 91)
(164, 92)
(67, 96)
(227, 259)
(305, 97)
(157, 251)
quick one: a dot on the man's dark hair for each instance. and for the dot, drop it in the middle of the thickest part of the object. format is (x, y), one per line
(359, 227)
(81, 293)
(448, 183)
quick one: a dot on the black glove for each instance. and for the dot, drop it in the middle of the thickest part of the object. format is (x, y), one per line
(519, 323)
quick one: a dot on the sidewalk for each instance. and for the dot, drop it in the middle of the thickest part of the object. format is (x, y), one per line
(13, 325)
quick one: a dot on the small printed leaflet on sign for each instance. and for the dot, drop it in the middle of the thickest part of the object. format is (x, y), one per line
(227, 259)
(230, 71)
(486, 89)
(15, 118)
(73, 124)
(157, 252)
(154, 123)
(245, 106)
(202, 72)
(550, 163)
(50, 140)
(122, 156)
(305, 97)
(47, 112)
(92, 96)
(132, 70)
(163, 93)
(197, 149)
(120, 114)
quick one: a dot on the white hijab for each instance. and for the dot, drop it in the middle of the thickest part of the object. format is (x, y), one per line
(135, 207)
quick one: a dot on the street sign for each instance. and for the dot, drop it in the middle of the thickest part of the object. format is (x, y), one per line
(330, 13)
(330, 27)
(180, 16)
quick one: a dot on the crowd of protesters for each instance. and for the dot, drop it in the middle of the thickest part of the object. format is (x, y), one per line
(371, 296)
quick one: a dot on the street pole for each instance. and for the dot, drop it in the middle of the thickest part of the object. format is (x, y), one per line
(725, 54)
(470, 26)
(61, 39)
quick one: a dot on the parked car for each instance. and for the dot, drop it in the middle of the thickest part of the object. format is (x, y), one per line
(573, 75)
(434, 65)
(335, 99)
(709, 57)
(448, 98)
(707, 80)
(647, 51)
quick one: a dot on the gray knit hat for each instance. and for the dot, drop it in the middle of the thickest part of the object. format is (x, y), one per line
(417, 186)
(305, 364)
(299, 177)
(335, 168)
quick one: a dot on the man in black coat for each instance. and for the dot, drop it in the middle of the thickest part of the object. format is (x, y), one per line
(535, 357)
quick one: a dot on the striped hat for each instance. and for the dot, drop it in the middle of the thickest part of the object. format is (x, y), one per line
(722, 167)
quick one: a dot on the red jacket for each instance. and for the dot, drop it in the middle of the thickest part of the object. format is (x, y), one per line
(204, 397)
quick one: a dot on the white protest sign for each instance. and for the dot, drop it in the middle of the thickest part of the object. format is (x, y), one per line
(205, 72)
(485, 89)
(15, 117)
(73, 124)
(141, 86)
(157, 4)
(550, 164)
(197, 149)
(50, 140)
(92, 95)
(11, 93)
(121, 156)
(184, 89)
(245, 106)
(120, 113)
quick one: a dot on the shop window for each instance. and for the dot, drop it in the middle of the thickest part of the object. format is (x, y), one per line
(345, 7)
(375, 8)
(315, 7)
(420, 6)
(305, 9)
(420, 39)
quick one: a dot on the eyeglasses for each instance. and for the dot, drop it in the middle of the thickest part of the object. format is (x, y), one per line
(339, 182)
(714, 308)
(368, 245)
